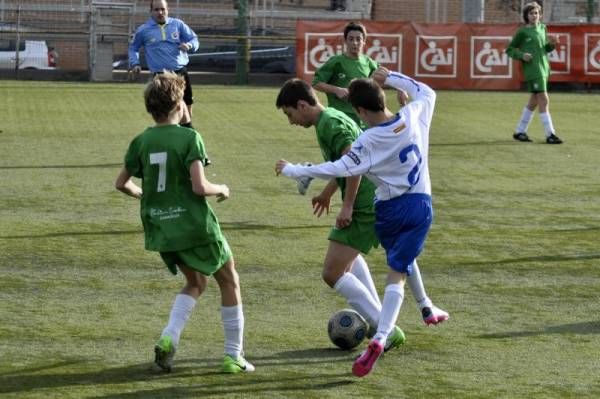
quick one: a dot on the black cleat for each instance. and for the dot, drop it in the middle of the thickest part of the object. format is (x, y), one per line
(521, 136)
(553, 139)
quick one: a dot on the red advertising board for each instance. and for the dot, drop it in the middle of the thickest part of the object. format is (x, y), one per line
(452, 56)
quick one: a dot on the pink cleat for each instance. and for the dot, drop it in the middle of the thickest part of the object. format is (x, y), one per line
(434, 315)
(365, 362)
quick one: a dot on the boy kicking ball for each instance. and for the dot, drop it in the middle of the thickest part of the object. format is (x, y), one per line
(393, 154)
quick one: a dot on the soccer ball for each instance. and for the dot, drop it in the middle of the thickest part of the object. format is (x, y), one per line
(347, 328)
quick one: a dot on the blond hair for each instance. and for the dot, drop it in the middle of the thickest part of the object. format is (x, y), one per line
(163, 93)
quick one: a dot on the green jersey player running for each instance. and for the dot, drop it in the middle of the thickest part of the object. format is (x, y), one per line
(531, 45)
(178, 220)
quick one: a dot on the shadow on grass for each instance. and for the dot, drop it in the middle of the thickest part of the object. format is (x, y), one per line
(72, 234)
(544, 258)
(68, 373)
(244, 386)
(299, 357)
(590, 327)
(224, 226)
(104, 165)
(475, 143)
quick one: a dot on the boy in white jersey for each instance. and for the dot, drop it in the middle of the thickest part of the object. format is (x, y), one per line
(178, 220)
(393, 155)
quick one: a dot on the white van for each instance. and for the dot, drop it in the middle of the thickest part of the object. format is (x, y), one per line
(33, 54)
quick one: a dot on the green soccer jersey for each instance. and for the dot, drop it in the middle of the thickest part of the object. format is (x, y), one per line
(174, 218)
(339, 71)
(532, 40)
(335, 132)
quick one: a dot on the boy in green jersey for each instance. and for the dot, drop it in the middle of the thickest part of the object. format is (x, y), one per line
(178, 220)
(344, 268)
(334, 77)
(531, 45)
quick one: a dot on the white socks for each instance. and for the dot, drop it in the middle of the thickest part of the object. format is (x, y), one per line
(358, 297)
(233, 326)
(526, 118)
(392, 300)
(547, 122)
(416, 286)
(523, 124)
(233, 323)
(361, 270)
(180, 313)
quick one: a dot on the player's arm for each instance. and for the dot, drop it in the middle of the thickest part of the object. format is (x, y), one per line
(344, 218)
(353, 163)
(125, 185)
(339, 92)
(424, 96)
(189, 39)
(323, 75)
(134, 48)
(415, 89)
(321, 202)
(201, 186)
(551, 42)
(514, 47)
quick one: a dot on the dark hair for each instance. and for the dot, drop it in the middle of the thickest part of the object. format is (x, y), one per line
(294, 90)
(528, 7)
(357, 26)
(367, 94)
(163, 93)
(152, 4)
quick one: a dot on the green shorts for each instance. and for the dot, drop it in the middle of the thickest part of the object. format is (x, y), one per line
(538, 85)
(206, 259)
(359, 235)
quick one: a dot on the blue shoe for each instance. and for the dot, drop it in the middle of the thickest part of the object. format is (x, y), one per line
(304, 182)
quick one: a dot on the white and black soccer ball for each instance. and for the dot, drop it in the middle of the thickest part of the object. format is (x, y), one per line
(347, 328)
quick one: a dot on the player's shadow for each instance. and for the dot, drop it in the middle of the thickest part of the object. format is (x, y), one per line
(245, 386)
(301, 357)
(68, 373)
(542, 258)
(589, 327)
(65, 373)
(474, 143)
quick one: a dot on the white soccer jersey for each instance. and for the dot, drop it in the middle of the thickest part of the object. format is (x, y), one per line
(392, 155)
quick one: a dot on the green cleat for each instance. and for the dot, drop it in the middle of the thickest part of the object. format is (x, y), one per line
(164, 351)
(395, 339)
(239, 365)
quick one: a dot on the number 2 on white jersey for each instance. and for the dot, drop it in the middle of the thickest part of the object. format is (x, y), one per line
(414, 174)
(160, 158)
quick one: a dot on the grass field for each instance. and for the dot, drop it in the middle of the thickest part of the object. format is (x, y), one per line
(513, 255)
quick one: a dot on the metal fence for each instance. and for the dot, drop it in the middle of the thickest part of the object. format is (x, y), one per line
(88, 36)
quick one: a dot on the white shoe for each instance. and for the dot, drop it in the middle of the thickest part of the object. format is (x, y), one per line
(434, 315)
(304, 182)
